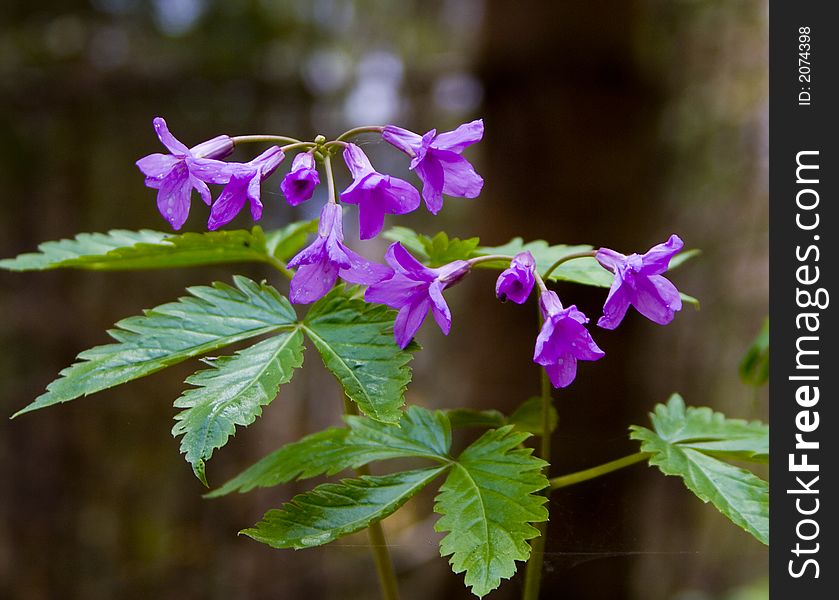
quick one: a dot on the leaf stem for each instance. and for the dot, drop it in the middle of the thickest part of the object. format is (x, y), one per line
(358, 131)
(565, 259)
(533, 570)
(585, 475)
(376, 535)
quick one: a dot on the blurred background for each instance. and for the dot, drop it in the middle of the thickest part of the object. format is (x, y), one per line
(608, 123)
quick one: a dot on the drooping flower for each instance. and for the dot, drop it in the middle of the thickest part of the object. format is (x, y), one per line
(301, 181)
(320, 264)
(563, 340)
(414, 289)
(244, 185)
(438, 162)
(175, 175)
(516, 282)
(638, 281)
(375, 194)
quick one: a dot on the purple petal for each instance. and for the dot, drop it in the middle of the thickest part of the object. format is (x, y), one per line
(406, 141)
(268, 161)
(544, 351)
(214, 171)
(657, 258)
(218, 147)
(610, 259)
(549, 303)
(397, 291)
(253, 193)
(562, 372)
(656, 298)
(357, 162)
(459, 177)
(457, 140)
(157, 166)
(359, 190)
(371, 219)
(400, 197)
(312, 282)
(401, 260)
(363, 271)
(167, 139)
(431, 173)
(617, 302)
(173, 197)
(229, 203)
(331, 221)
(313, 253)
(201, 188)
(408, 321)
(439, 308)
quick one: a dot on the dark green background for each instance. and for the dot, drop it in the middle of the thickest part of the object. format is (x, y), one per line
(610, 123)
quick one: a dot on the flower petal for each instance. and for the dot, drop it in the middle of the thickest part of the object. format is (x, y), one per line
(457, 140)
(609, 259)
(157, 166)
(400, 197)
(371, 218)
(173, 197)
(406, 141)
(311, 282)
(202, 189)
(218, 147)
(214, 171)
(357, 162)
(430, 172)
(563, 372)
(439, 308)
(459, 177)
(656, 298)
(167, 139)
(313, 253)
(253, 193)
(617, 302)
(657, 258)
(409, 320)
(229, 203)
(268, 161)
(397, 291)
(363, 271)
(402, 261)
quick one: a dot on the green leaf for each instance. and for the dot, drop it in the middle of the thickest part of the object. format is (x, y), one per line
(754, 370)
(333, 510)
(488, 502)
(355, 340)
(687, 442)
(528, 416)
(284, 243)
(421, 433)
(433, 251)
(469, 417)
(120, 250)
(585, 271)
(212, 317)
(232, 393)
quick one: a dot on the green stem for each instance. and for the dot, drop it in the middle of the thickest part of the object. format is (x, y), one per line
(566, 258)
(376, 535)
(280, 266)
(533, 571)
(330, 178)
(249, 139)
(580, 476)
(489, 258)
(358, 131)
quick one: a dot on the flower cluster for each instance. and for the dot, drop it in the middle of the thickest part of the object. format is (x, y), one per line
(404, 283)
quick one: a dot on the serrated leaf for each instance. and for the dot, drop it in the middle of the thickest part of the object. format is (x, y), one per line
(120, 250)
(487, 504)
(420, 434)
(687, 442)
(754, 369)
(333, 510)
(470, 417)
(355, 340)
(208, 319)
(434, 251)
(585, 271)
(528, 416)
(285, 242)
(232, 393)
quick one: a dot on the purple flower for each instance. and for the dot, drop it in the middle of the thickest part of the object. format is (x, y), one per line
(413, 289)
(516, 283)
(638, 282)
(175, 175)
(320, 264)
(563, 341)
(301, 181)
(244, 185)
(375, 194)
(438, 162)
